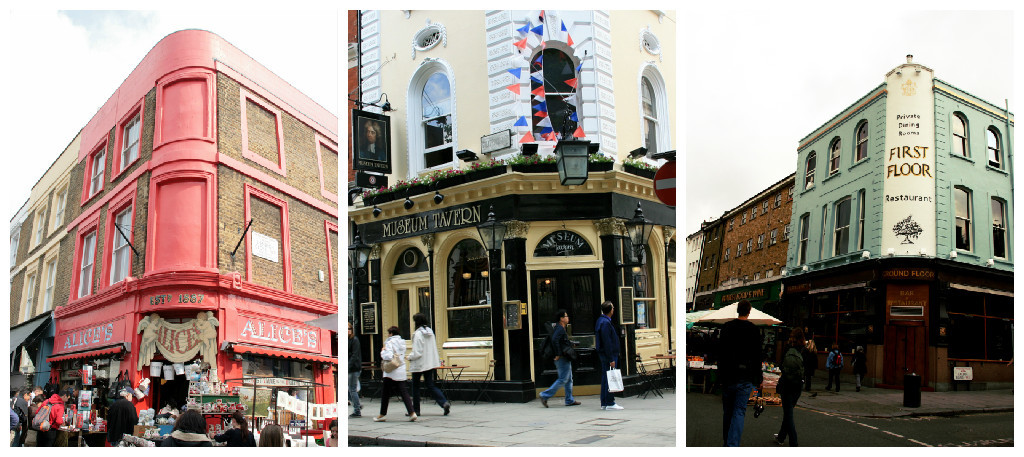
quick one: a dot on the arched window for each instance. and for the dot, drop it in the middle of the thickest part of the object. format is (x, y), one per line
(647, 99)
(862, 141)
(960, 136)
(995, 158)
(555, 67)
(469, 315)
(431, 118)
(809, 165)
(833, 156)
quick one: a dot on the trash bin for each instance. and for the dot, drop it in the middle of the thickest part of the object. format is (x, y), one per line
(912, 391)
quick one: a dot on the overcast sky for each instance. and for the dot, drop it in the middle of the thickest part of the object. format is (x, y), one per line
(65, 65)
(759, 81)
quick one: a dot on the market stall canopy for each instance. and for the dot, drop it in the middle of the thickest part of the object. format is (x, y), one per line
(692, 318)
(721, 316)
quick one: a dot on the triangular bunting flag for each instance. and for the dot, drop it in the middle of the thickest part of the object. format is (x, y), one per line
(551, 136)
(524, 29)
(570, 99)
(546, 122)
(580, 66)
(579, 132)
(542, 106)
(528, 138)
(513, 88)
(539, 60)
(521, 44)
(517, 72)
(538, 91)
(521, 122)
(569, 39)
(574, 117)
(546, 130)
(540, 114)
(571, 82)
(541, 15)
(563, 26)
(534, 79)
(539, 30)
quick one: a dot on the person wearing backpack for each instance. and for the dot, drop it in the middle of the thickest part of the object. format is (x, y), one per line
(790, 386)
(558, 348)
(50, 417)
(834, 364)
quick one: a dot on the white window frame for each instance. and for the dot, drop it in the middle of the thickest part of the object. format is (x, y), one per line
(861, 209)
(652, 74)
(15, 240)
(785, 233)
(805, 222)
(824, 228)
(760, 241)
(968, 226)
(414, 117)
(130, 150)
(60, 205)
(858, 141)
(959, 119)
(29, 302)
(997, 151)
(839, 230)
(774, 237)
(750, 245)
(40, 221)
(98, 168)
(725, 258)
(51, 280)
(120, 255)
(835, 155)
(809, 170)
(1003, 227)
(88, 260)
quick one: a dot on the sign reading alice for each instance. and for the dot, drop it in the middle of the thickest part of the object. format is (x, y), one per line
(178, 342)
(292, 336)
(91, 336)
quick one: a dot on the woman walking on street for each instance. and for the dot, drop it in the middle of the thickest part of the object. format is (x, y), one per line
(789, 386)
(810, 355)
(394, 380)
(860, 365)
(423, 362)
(559, 342)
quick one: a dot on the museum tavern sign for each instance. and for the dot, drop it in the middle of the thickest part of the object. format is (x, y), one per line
(433, 221)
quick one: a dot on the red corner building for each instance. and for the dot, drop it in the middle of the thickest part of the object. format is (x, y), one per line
(204, 212)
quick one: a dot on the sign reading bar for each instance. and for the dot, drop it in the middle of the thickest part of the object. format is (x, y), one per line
(368, 318)
(626, 315)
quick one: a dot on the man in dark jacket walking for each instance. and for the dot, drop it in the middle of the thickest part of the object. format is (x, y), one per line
(739, 369)
(607, 341)
(20, 407)
(559, 341)
(121, 418)
(355, 366)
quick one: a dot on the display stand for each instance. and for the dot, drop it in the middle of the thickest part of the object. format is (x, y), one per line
(216, 408)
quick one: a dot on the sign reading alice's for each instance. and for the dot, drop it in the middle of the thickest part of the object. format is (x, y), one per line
(294, 336)
(454, 217)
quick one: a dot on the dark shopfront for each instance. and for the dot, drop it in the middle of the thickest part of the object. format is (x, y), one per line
(560, 251)
(913, 316)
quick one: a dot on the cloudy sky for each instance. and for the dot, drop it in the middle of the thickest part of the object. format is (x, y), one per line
(757, 86)
(68, 63)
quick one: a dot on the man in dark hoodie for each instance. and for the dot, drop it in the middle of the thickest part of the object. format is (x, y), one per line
(121, 418)
(189, 431)
(739, 370)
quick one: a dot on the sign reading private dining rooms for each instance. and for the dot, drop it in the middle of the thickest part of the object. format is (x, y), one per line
(562, 243)
(282, 335)
(908, 204)
(428, 222)
(264, 246)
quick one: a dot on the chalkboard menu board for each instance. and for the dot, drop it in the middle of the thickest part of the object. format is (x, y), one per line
(513, 318)
(368, 319)
(626, 315)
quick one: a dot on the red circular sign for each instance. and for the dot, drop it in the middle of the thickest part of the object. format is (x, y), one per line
(665, 183)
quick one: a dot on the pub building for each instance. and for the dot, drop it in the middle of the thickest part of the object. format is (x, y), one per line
(203, 237)
(903, 243)
(501, 187)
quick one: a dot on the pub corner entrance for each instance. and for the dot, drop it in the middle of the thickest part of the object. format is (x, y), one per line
(577, 291)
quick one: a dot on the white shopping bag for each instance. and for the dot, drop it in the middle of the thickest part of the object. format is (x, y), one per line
(614, 380)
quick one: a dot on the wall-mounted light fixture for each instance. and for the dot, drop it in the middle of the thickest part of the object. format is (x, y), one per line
(376, 211)
(438, 198)
(466, 155)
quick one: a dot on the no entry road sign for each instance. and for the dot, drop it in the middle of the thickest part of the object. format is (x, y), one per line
(665, 183)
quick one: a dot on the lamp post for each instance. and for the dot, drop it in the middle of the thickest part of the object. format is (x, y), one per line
(639, 229)
(492, 234)
(358, 255)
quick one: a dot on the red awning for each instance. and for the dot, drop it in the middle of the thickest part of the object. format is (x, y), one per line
(249, 349)
(87, 354)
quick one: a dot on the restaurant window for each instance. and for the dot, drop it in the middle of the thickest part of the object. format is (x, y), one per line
(980, 326)
(995, 158)
(558, 72)
(842, 227)
(469, 315)
(861, 197)
(404, 316)
(962, 201)
(960, 145)
(85, 270)
(802, 253)
(809, 165)
(998, 228)
(833, 156)
(642, 288)
(432, 136)
(862, 141)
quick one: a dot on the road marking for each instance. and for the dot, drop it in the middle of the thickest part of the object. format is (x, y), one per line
(868, 426)
(893, 434)
(918, 442)
(876, 428)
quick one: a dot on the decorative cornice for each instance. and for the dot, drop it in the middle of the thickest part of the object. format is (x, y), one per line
(610, 226)
(516, 229)
(375, 252)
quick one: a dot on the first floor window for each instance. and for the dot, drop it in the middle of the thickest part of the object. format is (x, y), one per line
(998, 228)
(469, 315)
(51, 279)
(842, 227)
(802, 255)
(962, 201)
(120, 262)
(96, 178)
(29, 297)
(85, 271)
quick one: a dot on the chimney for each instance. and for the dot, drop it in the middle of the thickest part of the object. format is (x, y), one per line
(910, 58)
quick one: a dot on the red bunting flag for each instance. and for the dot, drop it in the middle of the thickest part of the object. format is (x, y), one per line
(570, 38)
(540, 114)
(513, 88)
(528, 138)
(571, 82)
(579, 132)
(551, 136)
(538, 91)
(521, 44)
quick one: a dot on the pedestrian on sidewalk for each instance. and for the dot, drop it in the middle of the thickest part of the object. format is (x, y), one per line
(607, 343)
(355, 368)
(739, 369)
(423, 362)
(394, 380)
(789, 386)
(834, 364)
(121, 417)
(860, 365)
(561, 347)
(810, 356)
(20, 405)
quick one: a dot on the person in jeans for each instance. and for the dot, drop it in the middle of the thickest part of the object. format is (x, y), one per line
(789, 386)
(739, 370)
(355, 367)
(860, 365)
(810, 354)
(423, 362)
(834, 363)
(394, 380)
(559, 342)
(606, 341)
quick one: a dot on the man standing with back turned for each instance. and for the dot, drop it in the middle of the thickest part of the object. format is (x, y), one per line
(607, 343)
(739, 369)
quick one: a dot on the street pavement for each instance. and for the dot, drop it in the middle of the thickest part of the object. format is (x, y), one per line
(871, 417)
(643, 422)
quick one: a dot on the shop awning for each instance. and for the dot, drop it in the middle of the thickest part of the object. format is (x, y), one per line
(112, 350)
(284, 353)
(983, 290)
(28, 331)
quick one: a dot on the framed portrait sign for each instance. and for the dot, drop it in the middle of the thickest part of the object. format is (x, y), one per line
(371, 142)
(368, 321)
(513, 315)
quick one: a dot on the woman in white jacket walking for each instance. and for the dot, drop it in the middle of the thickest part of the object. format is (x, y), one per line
(423, 361)
(394, 380)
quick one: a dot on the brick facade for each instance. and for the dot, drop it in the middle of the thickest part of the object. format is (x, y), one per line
(768, 257)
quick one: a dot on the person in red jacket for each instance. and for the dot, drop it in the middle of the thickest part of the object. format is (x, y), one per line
(56, 402)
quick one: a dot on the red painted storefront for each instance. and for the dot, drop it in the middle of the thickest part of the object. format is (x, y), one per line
(182, 279)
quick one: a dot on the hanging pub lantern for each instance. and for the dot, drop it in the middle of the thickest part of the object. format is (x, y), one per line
(572, 161)
(492, 232)
(358, 253)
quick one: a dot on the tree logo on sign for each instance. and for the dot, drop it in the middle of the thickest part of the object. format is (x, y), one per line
(908, 228)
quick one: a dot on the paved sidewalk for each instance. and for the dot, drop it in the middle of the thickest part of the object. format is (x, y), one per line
(883, 403)
(644, 422)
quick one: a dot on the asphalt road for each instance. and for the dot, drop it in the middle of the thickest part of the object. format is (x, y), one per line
(704, 428)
